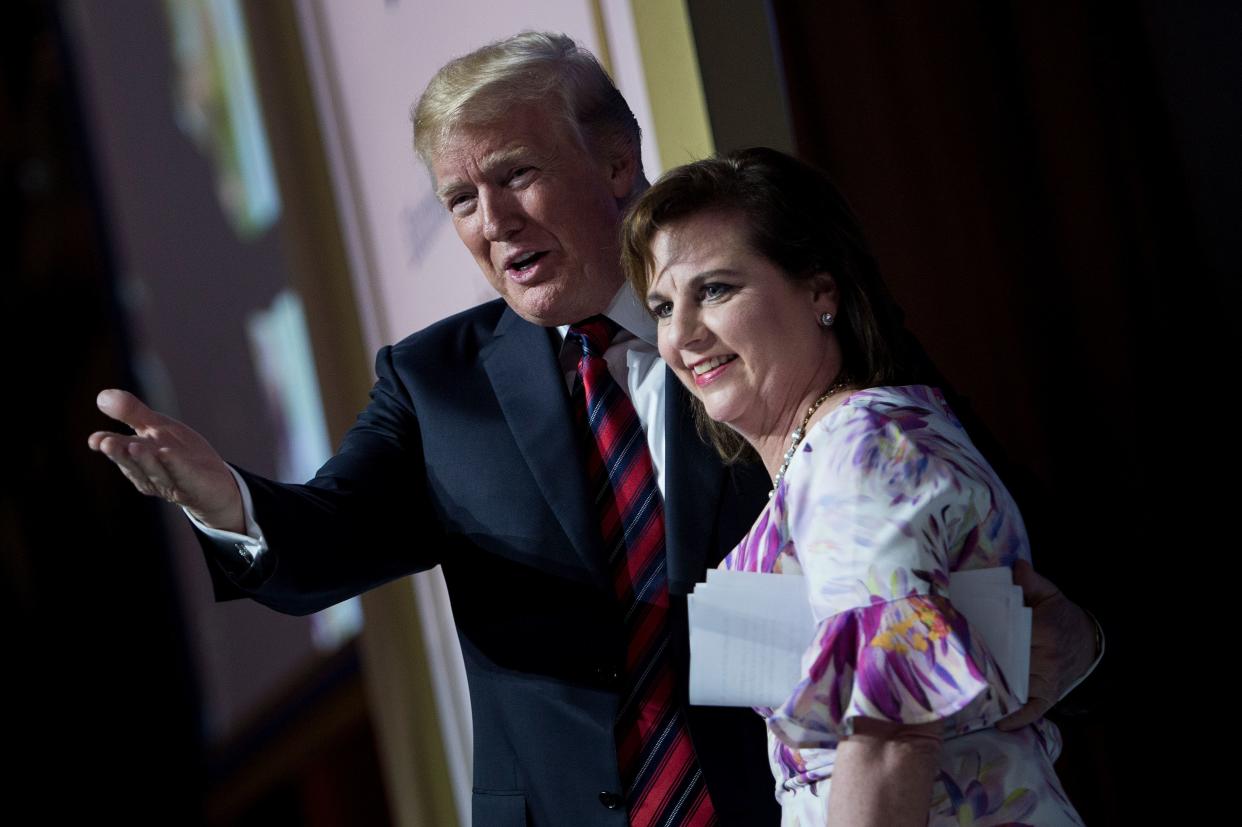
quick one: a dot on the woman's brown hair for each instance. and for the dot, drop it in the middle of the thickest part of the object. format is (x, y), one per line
(799, 221)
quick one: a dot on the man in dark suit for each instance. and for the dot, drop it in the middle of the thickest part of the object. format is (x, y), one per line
(468, 457)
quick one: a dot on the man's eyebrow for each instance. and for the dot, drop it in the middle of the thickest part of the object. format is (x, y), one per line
(495, 160)
(445, 190)
(505, 157)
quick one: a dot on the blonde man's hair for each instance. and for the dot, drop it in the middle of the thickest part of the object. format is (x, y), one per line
(481, 89)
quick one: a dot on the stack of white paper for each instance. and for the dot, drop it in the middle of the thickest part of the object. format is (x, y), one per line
(748, 632)
(747, 635)
(992, 604)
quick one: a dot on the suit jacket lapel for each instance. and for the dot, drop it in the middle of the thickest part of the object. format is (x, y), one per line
(694, 481)
(521, 363)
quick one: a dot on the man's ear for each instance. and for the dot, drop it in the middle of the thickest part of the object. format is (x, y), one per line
(623, 174)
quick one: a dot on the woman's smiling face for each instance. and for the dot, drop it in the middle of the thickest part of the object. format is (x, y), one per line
(738, 331)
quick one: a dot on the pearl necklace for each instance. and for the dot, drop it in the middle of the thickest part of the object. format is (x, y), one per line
(795, 438)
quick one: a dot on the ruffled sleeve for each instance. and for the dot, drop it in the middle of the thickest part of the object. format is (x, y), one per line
(878, 512)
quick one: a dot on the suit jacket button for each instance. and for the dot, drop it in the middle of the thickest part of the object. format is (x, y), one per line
(610, 800)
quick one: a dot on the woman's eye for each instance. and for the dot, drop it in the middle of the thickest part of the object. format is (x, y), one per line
(715, 290)
(662, 310)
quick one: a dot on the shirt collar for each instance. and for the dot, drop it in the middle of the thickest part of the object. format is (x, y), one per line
(627, 311)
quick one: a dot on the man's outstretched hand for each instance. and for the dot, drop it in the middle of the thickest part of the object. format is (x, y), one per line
(166, 459)
(1063, 645)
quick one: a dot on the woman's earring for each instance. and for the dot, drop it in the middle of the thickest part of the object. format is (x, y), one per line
(826, 320)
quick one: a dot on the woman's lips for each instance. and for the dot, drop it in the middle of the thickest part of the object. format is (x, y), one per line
(713, 372)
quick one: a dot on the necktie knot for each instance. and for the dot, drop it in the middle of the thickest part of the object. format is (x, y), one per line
(594, 334)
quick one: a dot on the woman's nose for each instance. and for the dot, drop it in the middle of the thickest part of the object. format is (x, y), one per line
(685, 328)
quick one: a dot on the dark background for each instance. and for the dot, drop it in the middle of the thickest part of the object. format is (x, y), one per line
(1051, 189)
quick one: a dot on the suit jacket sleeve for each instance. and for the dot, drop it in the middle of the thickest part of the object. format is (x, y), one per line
(362, 521)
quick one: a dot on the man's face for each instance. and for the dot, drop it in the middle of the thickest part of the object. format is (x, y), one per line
(538, 213)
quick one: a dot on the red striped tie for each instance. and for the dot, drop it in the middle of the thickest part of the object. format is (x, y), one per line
(663, 782)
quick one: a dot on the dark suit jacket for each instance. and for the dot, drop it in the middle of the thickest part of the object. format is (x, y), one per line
(467, 457)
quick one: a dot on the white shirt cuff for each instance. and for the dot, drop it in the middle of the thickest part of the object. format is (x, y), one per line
(250, 546)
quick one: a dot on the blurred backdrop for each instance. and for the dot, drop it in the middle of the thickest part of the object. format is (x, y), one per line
(214, 203)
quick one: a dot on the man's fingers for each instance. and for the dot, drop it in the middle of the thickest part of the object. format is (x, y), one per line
(113, 446)
(147, 458)
(1028, 714)
(123, 406)
(1035, 588)
(116, 448)
(138, 462)
(134, 475)
(111, 439)
(1039, 698)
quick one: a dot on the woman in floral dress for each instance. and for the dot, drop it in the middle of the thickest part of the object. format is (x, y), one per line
(770, 309)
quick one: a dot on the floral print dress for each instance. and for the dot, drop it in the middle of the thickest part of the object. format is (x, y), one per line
(885, 496)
